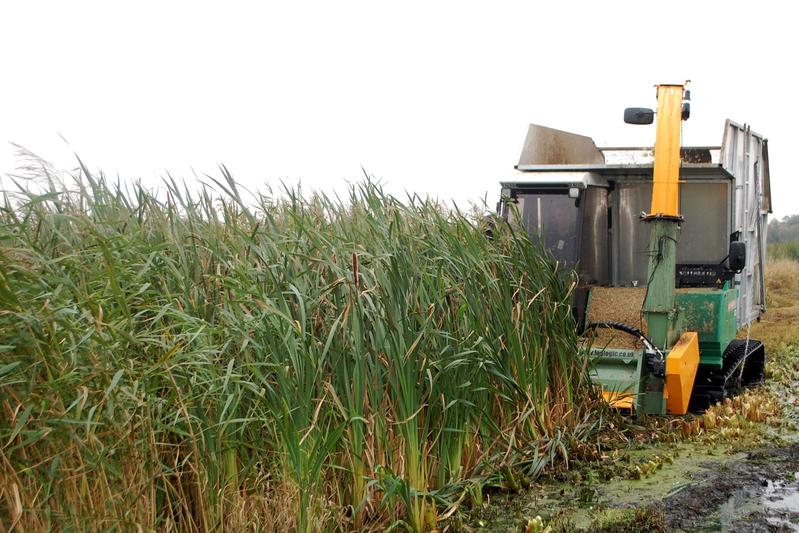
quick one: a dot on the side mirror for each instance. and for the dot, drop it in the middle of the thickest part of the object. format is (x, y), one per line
(737, 257)
(639, 115)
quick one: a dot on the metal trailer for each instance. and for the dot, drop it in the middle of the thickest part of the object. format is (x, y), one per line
(725, 196)
(586, 204)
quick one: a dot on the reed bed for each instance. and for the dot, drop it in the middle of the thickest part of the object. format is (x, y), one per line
(198, 362)
(778, 251)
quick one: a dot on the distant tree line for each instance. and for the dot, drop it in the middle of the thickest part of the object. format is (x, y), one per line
(785, 230)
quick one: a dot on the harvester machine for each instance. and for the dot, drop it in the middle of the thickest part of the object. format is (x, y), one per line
(669, 246)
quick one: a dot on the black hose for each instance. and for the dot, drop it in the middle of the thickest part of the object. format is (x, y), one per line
(619, 326)
(656, 365)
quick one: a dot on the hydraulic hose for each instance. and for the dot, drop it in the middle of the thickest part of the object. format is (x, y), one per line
(658, 366)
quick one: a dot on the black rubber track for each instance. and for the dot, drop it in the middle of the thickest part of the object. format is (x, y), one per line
(743, 364)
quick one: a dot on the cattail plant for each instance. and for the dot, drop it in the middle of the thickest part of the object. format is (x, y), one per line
(196, 361)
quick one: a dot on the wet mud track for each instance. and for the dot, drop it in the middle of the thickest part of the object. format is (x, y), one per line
(702, 490)
(759, 492)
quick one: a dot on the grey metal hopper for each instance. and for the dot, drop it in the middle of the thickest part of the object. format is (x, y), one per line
(548, 146)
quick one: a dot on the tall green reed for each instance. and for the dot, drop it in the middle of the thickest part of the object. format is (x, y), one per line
(201, 360)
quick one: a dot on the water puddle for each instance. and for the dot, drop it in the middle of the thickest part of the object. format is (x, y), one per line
(775, 504)
(783, 500)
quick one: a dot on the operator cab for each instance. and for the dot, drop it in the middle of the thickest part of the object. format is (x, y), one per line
(567, 214)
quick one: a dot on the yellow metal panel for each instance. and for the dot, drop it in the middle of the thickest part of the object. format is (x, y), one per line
(681, 365)
(619, 400)
(665, 191)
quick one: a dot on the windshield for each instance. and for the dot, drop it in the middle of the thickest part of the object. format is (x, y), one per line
(551, 219)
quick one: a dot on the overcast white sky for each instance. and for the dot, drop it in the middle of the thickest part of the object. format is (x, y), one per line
(430, 97)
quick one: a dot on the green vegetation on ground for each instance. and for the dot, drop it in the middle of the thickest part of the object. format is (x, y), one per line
(188, 362)
(783, 250)
(783, 238)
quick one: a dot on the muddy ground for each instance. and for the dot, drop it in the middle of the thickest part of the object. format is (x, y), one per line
(698, 489)
(759, 492)
(739, 477)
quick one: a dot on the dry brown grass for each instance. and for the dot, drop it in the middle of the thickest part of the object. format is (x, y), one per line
(83, 499)
(779, 326)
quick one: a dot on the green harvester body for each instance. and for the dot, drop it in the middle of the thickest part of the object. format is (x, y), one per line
(687, 225)
(710, 312)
